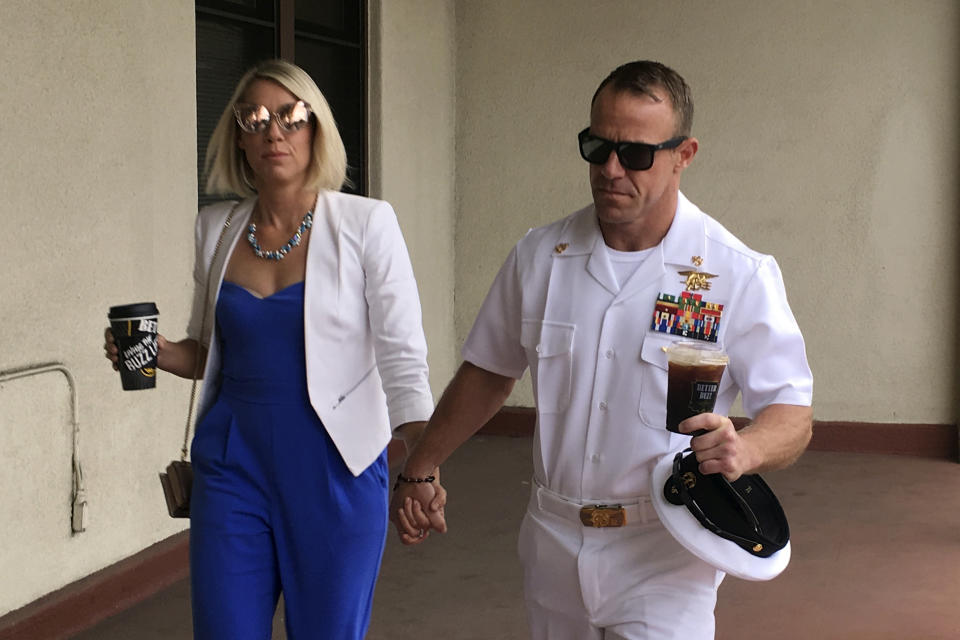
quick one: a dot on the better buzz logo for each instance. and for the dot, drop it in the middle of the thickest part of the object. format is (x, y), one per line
(139, 355)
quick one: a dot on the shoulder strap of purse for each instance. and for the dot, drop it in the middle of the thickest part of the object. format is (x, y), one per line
(203, 330)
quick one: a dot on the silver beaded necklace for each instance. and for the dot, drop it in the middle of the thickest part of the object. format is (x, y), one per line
(282, 252)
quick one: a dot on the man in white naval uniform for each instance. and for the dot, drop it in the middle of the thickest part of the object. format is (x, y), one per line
(589, 303)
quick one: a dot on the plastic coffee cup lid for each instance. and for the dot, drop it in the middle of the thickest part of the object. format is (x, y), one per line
(136, 310)
(689, 352)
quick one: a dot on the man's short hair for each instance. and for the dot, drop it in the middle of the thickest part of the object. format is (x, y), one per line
(642, 76)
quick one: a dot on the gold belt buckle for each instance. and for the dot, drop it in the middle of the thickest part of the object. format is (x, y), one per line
(603, 515)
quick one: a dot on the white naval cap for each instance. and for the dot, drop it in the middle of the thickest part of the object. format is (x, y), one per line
(738, 527)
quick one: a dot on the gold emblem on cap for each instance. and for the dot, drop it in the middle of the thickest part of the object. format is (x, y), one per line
(689, 480)
(697, 280)
(560, 248)
(757, 548)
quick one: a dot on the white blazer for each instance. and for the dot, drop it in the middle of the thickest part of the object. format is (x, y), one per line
(366, 354)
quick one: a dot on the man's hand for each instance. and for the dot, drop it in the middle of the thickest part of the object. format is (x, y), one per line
(469, 401)
(721, 449)
(418, 507)
(774, 440)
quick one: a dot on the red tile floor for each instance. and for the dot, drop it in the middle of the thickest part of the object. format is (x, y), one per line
(876, 556)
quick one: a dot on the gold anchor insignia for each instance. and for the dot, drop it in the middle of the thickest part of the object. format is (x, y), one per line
(560, 248)
(689, 480)
(697, 280)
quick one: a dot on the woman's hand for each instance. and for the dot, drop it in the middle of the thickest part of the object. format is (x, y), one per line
(418, 507)
(178, 358)
(110, 350)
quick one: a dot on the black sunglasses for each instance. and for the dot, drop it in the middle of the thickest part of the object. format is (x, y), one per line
(635, 156)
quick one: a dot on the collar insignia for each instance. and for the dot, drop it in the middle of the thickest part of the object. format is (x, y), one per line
(560, 248)
(696, 279)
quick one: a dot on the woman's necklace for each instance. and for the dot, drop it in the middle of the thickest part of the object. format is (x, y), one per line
(282, 252)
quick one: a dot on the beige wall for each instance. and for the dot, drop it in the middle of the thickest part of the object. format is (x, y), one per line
(412, 152)
(828, 136)
(97, 169)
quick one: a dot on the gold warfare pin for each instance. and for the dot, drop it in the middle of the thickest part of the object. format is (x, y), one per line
(696, 279)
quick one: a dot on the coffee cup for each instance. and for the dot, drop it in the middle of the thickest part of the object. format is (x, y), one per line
(134, 328)
(694, 373)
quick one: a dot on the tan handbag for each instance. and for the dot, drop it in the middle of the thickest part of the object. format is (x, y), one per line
(177, 480)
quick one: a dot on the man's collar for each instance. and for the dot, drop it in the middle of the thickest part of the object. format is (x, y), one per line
(579, 234)
(685, 237)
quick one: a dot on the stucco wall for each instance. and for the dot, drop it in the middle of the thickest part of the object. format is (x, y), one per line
(98, 175)
(828, 137)
(412, 152)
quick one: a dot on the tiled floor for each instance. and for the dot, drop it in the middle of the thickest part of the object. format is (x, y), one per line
(876, 556)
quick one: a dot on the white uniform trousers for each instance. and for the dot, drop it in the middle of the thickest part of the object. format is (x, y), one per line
(616, 583)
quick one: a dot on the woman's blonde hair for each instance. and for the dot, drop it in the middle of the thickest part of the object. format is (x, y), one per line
(226, 165)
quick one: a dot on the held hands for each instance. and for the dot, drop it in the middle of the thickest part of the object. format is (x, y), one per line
(417, 507)
(721, 449)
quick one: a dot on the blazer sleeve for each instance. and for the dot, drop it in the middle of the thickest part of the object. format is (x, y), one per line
(207, 232)
(199, 281)
(395, 319)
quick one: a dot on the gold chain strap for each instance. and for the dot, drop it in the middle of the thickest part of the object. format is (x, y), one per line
(203, 328)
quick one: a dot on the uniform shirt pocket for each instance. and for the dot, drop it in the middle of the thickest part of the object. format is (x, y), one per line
(549, 347)
(653, 385)
(653, 390)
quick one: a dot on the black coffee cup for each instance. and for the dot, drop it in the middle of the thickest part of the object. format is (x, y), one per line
(134, 328)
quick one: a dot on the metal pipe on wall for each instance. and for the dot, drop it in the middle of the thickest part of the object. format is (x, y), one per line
(78, 512)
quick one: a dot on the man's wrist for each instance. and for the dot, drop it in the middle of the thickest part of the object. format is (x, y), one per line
(405, 479)
(410, 432)
(417, 465)
(417, 471)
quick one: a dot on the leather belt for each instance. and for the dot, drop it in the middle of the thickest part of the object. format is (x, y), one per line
(593, 514)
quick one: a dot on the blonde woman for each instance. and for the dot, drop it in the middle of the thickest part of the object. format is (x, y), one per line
(313, 354)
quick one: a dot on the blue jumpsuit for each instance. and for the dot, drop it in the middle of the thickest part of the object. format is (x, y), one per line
(274, 508)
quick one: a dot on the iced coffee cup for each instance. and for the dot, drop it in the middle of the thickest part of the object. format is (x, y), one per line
(695, 370)
(134, 328)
